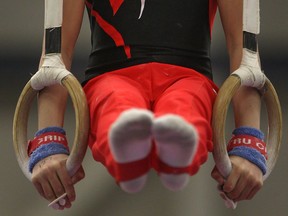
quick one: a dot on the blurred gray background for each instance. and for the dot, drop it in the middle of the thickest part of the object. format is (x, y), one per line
(21, 28)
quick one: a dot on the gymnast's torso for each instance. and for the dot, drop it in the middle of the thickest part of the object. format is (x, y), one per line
(168, 31)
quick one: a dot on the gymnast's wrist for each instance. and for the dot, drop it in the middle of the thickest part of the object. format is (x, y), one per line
(249, 144)
(48, 141)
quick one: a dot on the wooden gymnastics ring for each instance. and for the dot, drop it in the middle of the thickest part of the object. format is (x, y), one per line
(20, 124)
(274, 133)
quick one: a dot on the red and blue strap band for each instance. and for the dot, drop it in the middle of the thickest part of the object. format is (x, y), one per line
(248, 143)
(45, 138)
(48, 141)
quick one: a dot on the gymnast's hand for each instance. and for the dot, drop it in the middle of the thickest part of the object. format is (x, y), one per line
(51, 179)
(244, 181)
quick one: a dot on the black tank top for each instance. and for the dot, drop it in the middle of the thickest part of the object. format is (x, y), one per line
(169, 31)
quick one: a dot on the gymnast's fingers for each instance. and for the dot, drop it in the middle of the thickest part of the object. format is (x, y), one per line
(80, 174)
(244, 181)
(254, 191)
(215, 174)
(67, 184)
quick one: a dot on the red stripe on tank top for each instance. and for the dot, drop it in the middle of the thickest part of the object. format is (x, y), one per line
(115, 4)
(110, 30)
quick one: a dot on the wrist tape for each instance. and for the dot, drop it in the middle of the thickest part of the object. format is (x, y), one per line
(248, 143)
(48, 141)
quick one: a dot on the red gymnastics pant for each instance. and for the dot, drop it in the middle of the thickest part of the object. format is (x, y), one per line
(161, 88)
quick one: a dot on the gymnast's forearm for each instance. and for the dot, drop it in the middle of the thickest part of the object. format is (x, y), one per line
(246, 102)
(247, 107)
(51, 106)
(52, 99)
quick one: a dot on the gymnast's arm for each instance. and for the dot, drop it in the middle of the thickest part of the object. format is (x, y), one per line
(50, 176)
(245, 179)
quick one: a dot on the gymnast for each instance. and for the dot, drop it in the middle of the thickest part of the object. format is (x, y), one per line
(150, 93)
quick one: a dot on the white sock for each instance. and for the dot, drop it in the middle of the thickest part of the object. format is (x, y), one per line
(176, 142)
(134, 185)
(130, 140)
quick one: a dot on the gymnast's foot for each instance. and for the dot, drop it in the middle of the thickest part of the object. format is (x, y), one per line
(130, 141)
(176, 142)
